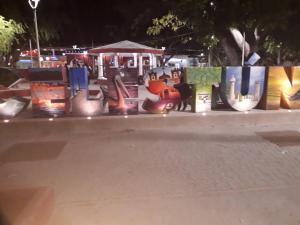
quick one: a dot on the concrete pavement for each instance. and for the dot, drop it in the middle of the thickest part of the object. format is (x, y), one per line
(225, 168)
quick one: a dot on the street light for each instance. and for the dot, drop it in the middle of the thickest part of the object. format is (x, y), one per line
(34, 4)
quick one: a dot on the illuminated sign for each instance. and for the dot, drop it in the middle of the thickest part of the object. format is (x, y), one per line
(48, 98)
(122, 91)
(237, 88)
(242, 87)
(162, 82)
(202, 80)
(282, 88)
(245, 88)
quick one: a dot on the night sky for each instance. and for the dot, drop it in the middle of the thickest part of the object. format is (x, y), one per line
(87, 22)
(98, 22)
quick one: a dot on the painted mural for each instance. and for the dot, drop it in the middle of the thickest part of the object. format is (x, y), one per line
(122, 92)
(78, 79)
(48, 99)
(282, 88)
(10, 104)
(83, 104)
(48, 92)
(202, 80)
(242, 87)
(11, 107)
(162, 83)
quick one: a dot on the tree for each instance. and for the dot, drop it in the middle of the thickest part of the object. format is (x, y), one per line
(221, 19)
(51, 19)
(9, 32)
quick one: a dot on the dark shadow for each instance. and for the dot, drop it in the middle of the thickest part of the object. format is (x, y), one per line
(282, 138)
(33, 151)
(7, 77)
(3, 219)
(28, 206)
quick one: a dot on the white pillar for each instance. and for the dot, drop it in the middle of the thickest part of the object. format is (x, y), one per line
(140, 65)
(135, 60)
(154, 61)
(100, 66)
(150, 61)
(116, 59)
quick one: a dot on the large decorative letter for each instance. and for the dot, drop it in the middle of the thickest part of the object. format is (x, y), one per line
(160, 82)
(242, 87)
(48, 92)
(282, 88)
(123, 92)
(48, 98)
(202, 80)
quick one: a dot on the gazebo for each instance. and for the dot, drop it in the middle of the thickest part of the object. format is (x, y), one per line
(127, 54)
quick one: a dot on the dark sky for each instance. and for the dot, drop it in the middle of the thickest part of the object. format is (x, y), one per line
(84, 22)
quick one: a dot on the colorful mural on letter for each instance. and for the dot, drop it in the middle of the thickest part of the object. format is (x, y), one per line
(85, 105)
(78, 79)
(242, 87)
(202, 80)
(282, 88)
(160, 82)
(48, 99)
(123, 95)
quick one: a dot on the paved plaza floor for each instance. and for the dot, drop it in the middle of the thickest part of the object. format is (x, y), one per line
(222, 168)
